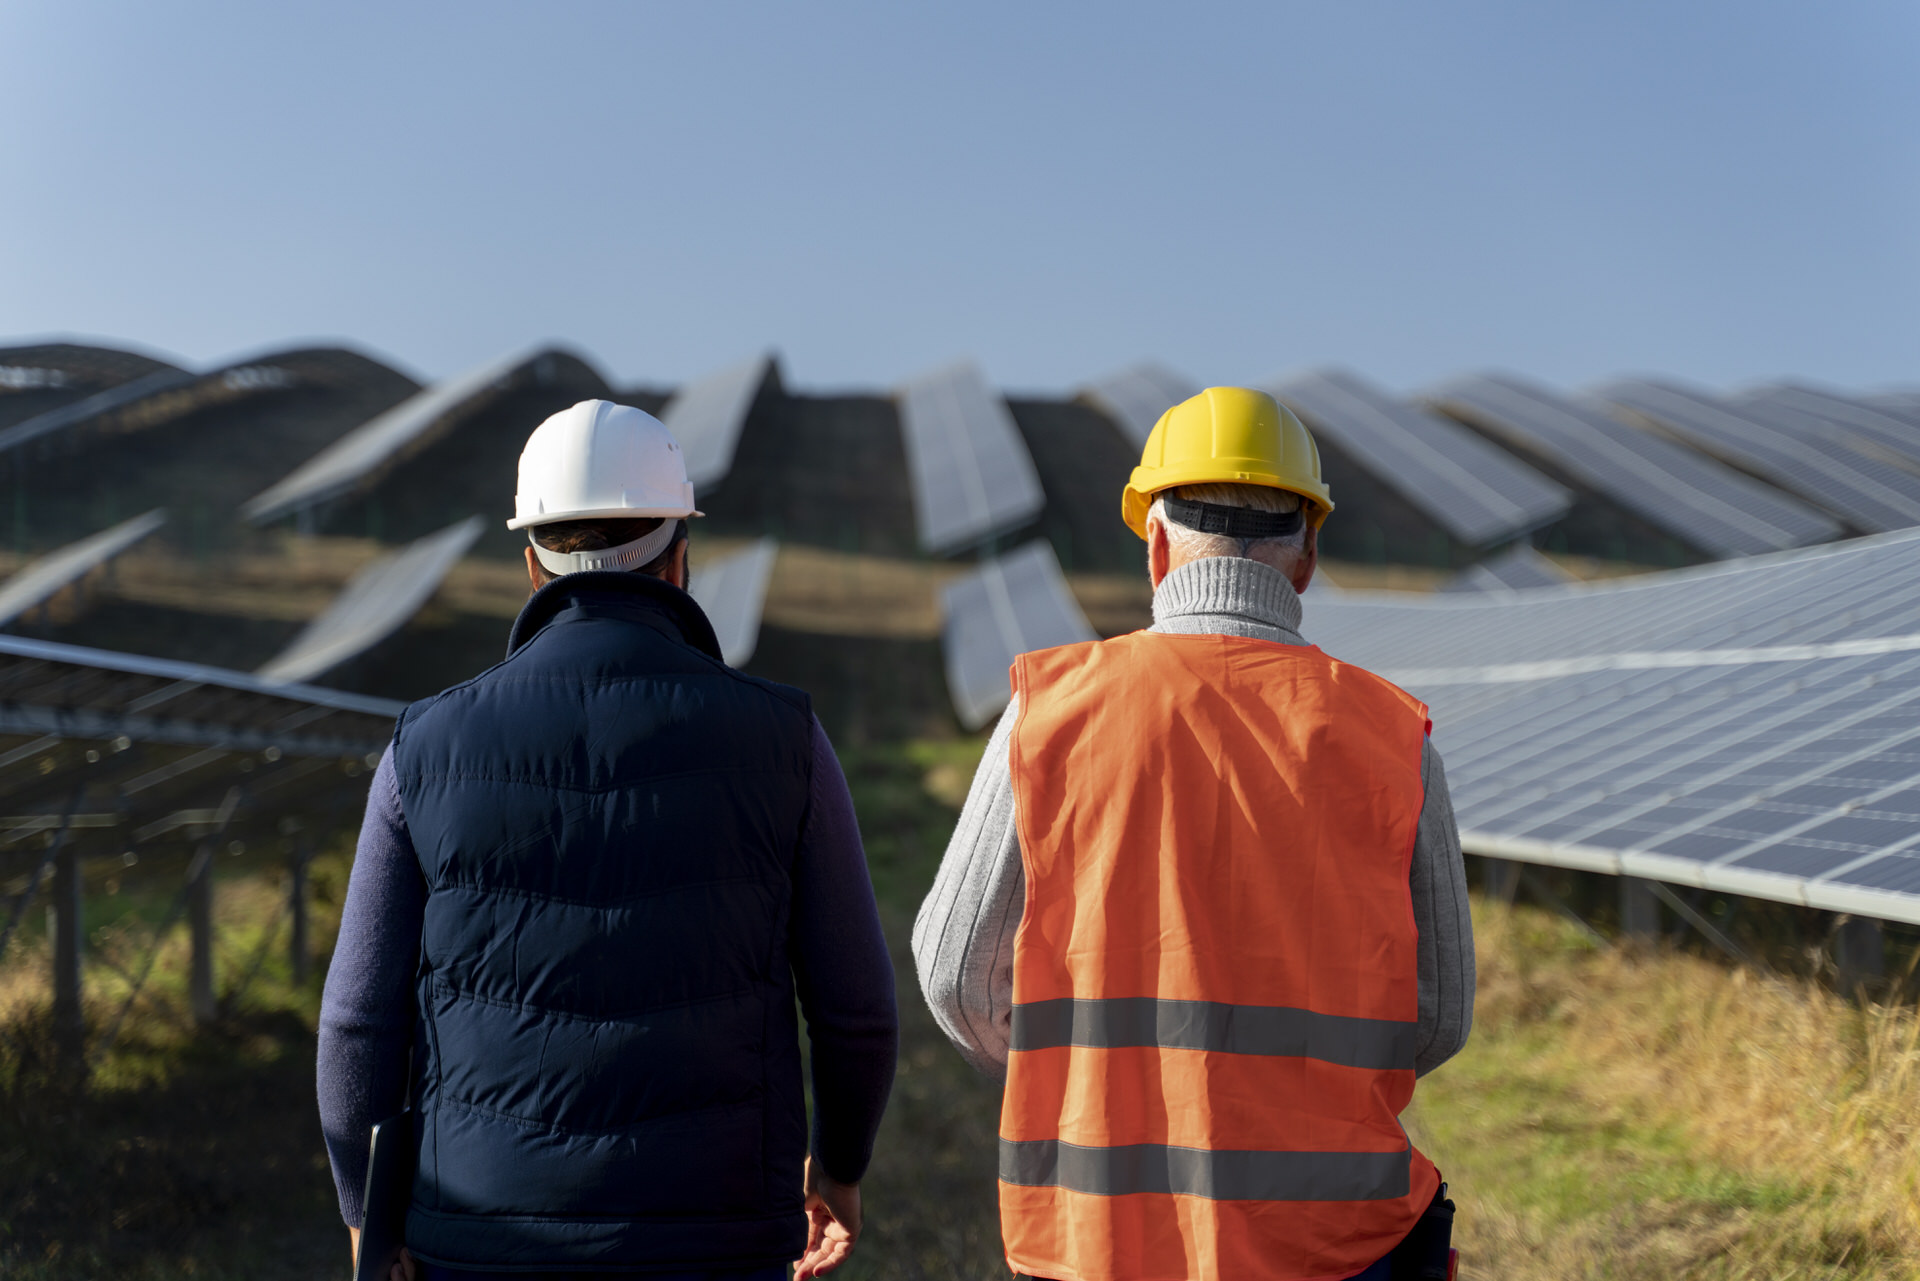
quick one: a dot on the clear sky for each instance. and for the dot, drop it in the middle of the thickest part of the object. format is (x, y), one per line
(1719, 190)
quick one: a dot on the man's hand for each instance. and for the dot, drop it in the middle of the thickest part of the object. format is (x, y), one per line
(402, 1271)
(833, 1224)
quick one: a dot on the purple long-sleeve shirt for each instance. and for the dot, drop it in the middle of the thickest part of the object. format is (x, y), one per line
(841, 972)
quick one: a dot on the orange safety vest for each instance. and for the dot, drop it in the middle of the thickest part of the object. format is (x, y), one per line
(1215, 982)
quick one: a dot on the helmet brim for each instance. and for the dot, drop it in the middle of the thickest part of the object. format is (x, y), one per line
(603, 513)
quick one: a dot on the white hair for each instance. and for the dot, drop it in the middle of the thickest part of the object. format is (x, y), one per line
(1278, 552)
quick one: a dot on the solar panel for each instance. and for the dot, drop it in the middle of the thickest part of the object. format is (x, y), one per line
(1901, 404)
(25, 377)
(1515, 569)
(102, 752)
(731, 591)
(1751, 727)
(375, 603)
(156, 398)
(358, 457)
(49, 690)
(1477, 493)
(1698, 500)
(39, 581)
(41, 366)
(706, 417)
(1865, 492)
(94, 406)
(1862, 426)
(1135, 397)
(1005, 607)
(971, 473)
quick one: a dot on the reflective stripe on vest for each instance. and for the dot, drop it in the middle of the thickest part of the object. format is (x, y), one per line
(1212, 1025)
(1215, 979)
(1220, 1176)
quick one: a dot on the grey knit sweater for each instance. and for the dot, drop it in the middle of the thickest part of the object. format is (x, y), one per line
(963, 937)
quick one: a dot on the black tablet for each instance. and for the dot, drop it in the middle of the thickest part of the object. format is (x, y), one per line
(388, 1194)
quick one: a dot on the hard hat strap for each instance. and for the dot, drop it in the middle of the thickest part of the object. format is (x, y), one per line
(631, 555)
(1235, 522)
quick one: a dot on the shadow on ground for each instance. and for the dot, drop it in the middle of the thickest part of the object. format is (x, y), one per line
(218, 1172)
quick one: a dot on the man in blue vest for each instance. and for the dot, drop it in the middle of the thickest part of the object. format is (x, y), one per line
(590, 884)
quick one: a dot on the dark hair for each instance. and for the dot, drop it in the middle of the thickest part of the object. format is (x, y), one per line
(598, 535)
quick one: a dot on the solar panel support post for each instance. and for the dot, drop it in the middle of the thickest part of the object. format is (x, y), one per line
(299, 947)
(1639, 910)
(1545, 893)
(67, 925)
(1708, 930)
(201, 997)
(200, 994)
(1859, 954)
(1502, 879)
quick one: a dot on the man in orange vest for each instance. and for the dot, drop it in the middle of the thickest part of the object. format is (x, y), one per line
(1206, 911)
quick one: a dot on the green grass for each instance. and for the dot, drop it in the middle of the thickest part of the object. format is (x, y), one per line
(1610, 1119)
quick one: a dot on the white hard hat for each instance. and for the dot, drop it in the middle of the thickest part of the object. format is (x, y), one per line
(599, 460)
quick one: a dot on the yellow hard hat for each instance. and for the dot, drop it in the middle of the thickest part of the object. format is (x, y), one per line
(1232, 436)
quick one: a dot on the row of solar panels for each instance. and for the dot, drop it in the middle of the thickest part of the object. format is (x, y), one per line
(973, 479)
(384, 595)
(116, 751)
(971, 474)
(1781, 467)
(1748, 728)
(1751, 727)
(1777, 468)
(124, 392)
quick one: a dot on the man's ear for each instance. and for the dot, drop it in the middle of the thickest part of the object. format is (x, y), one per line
(1159, 551)
(677, 567)
(1309, 560)
(535, 578)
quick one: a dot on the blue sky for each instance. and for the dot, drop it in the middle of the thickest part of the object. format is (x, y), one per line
(1716, 191)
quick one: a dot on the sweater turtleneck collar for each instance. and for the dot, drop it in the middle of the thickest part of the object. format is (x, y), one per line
(1217, 592)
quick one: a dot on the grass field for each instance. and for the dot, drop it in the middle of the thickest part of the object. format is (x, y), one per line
(1618, 1114)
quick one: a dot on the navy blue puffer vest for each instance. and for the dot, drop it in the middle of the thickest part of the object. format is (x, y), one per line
(607, 1070)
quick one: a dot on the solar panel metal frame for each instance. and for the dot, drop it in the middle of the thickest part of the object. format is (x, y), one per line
(361, 455)
(971, 473)
(375, 603)
(1005, 607)
(39, 581)
(732, 591)
(146, 750)
(1817, 465)
(707, 415)
(1691, 495)
(1134, 398)
(1746, 727)
(74, 692)
(1472, 489)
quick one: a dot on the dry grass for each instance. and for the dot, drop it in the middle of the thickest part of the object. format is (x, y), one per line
(1630, 1114)
(191, 1152)
(1358, 576)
